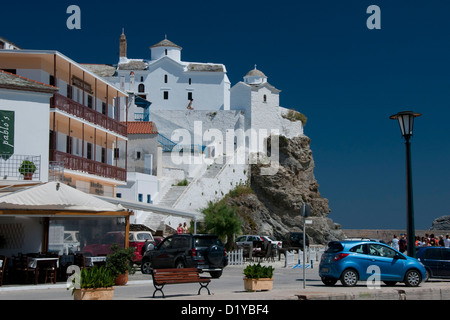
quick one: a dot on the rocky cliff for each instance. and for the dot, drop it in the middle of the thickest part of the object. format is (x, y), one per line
(273, 205)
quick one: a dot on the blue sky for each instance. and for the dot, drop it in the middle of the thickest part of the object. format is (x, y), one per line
(345, 78)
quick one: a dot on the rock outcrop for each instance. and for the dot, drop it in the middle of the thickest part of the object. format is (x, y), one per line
(273, 207)
(441, 223)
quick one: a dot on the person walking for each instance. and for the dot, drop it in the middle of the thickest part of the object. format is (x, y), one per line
(394, 243)
(402, 243)
(447, 241)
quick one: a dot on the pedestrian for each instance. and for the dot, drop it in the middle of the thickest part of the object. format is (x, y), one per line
(394, 243)
(447, 241)
(441, 241)
(433, 240)
(179, 229)
(185, 228)
(402, 243)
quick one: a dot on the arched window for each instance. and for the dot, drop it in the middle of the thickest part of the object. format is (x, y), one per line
(165, 51)
(141, 88)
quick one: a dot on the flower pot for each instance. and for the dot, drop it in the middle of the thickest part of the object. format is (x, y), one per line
(28, 176)
(94, 294)
(263, 284)
(121, 279)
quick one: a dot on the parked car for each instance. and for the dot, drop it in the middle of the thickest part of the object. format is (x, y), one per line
(294, 240)
(248, 239)
(137, 239)
(350, 261)
(436, 261)
(275, 243)
(203, 251)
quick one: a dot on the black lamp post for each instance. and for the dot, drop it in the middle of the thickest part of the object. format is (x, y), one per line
(406, 122)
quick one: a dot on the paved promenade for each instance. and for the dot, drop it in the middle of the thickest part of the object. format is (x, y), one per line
(288, 285)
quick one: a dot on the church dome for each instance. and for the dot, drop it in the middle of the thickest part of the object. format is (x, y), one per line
(166, 43)
(255, 73)
(255, 76)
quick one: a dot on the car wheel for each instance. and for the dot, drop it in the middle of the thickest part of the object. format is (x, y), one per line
(413, 278)
(179, 264)
(216, 274)
(146, 267)
(349, 278)
(329, 281)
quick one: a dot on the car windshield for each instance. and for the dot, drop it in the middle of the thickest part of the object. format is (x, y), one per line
(207, 241)
(334, 247)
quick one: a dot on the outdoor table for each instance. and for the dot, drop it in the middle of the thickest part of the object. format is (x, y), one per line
(91, 260)
(33, 262)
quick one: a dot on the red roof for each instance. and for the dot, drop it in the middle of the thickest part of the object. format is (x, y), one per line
(141, 127)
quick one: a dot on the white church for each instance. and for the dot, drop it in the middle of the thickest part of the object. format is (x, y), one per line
(197, 99)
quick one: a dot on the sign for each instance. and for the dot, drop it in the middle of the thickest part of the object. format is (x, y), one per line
(308, 222)
(6, 134)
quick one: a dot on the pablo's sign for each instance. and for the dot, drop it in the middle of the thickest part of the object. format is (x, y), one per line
(6, 134)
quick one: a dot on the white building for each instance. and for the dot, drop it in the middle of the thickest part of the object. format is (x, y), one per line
(170, 83)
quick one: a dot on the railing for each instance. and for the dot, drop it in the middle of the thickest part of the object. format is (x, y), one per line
(77, 163)
(141, 117)
(70, 106)
(10, 165)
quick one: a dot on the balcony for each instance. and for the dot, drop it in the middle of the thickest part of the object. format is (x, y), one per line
(76, 163)
(74, 108)
(10, 164)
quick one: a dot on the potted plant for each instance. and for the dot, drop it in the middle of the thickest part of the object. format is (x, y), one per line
(27, 168)
(258, 277)
(120, 262)
(95, 283)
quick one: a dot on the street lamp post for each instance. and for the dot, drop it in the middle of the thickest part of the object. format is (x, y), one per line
(406, 122)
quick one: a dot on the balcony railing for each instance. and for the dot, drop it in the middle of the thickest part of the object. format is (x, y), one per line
(10, 166)
(72, 107)
(88, 166)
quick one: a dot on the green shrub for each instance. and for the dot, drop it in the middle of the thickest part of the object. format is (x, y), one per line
(257, 271)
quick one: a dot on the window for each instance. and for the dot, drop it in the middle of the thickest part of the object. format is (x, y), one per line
(141, 88)
(149, 198)
(116, 153)
(103, 107)
(142, 79)
(165, 52)
(190, 81)
(69, 91)
(166, 95)
(382, 251)
(103, 155)
(2, 45)
(138, 155)
(189, 96)
(360, 248)
(118, 195)
(90, 102)
(89, 151)
(69, 145)
(52, 80)
(166, 78)
(140, 197)
(265, 98)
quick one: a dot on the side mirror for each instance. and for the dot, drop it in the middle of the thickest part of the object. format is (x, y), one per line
(399, 256)
(150, 246)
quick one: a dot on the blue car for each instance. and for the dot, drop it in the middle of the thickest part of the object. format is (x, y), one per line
(351, 261)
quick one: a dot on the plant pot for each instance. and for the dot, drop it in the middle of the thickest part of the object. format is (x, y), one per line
(94, 294)
(121, 279)
(263, 284)
(28, 176)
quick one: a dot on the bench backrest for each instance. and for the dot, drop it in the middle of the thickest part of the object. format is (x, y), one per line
(175, 275)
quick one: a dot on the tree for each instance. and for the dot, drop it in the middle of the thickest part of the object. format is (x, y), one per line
(222, 220)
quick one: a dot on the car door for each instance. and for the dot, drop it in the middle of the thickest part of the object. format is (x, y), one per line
(161, 254)
(391, 268)
(432, 259)
(445, 262)
(363, 260)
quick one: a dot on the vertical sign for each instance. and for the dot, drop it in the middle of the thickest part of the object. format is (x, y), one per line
(6, 134)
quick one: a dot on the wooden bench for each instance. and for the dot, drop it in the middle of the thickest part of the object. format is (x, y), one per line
(161, 277)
